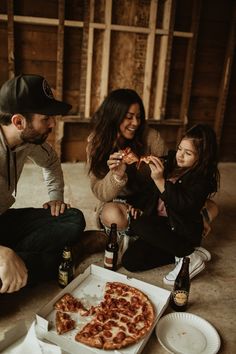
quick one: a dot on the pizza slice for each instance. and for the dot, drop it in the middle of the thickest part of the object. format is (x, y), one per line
(146, 159)
(68, 303)
(129, 156)
(64, 323)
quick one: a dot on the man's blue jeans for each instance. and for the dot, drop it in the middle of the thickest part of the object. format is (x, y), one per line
(38, 237)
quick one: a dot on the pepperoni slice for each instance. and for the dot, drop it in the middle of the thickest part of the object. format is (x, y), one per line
(107, 333)
(119, 337)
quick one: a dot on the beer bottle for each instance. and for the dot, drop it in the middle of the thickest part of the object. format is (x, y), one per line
(66, 271)
(111, 250)
(180, 293)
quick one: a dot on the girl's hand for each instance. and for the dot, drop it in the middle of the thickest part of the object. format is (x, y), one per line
(116, 165)
(157, 171)
(157, 168)
(134, 212)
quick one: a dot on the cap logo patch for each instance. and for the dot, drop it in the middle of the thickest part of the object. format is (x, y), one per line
(47, 90)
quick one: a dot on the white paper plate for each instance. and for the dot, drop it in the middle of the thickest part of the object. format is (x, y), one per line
(185, 333)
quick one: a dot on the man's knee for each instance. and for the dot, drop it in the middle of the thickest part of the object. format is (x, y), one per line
(75, 216)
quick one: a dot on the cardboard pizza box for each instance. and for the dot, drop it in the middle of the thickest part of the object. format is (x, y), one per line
(89, 287)
(13, 337)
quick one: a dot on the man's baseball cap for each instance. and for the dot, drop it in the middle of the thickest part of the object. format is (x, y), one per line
(30, 94)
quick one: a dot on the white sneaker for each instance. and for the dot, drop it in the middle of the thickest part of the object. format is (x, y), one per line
(196, 265)
(206, 256)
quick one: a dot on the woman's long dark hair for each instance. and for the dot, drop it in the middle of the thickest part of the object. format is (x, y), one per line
(105, 127)
(205, 143)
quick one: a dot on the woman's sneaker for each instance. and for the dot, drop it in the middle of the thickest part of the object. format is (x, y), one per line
(196, 265)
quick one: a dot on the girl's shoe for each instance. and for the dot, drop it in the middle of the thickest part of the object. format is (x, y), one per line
(196, 265)
(206, 256)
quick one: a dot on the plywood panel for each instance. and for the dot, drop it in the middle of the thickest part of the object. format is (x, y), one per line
(96, 70)
(36, 42)
(123, 69)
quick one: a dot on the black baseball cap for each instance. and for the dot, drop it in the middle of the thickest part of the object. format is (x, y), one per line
(30, 94)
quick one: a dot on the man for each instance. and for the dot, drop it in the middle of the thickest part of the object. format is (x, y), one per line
(31, 239)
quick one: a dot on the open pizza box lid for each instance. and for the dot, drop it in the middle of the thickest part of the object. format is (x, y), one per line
(13, 337)
(89, 287)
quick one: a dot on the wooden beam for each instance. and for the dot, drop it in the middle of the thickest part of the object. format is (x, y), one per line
(149, 56)
(10, 39)
(59, 129)
(189, 63)
(225, 77)
(84, 58)
(166, 122)
(106, 50)
(89, 62)
(79, 24)
(60, 49)
(42, 21)
(164, 60)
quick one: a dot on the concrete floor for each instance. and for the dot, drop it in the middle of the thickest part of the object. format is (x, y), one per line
(212, 293)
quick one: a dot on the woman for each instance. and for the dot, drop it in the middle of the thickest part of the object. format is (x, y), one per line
(119, 123)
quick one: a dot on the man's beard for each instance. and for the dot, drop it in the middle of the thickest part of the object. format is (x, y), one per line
(31, 136)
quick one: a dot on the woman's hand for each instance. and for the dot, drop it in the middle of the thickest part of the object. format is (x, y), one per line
(116, 165)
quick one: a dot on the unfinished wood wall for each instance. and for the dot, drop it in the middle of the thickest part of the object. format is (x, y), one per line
(177, 54)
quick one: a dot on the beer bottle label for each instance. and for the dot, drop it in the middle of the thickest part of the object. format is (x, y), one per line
(108, 259)
(63, 278)
(66, 254)
(180, 297)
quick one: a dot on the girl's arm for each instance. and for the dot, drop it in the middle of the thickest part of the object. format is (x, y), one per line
(188, 192)
(157, 172)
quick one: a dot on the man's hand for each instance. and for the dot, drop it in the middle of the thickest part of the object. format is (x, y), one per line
(13, 272)
(57, 207)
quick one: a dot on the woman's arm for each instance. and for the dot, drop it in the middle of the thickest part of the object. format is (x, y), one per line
(107, 188)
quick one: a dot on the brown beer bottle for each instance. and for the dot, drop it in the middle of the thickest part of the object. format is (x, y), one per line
(66, 271)
(112, 248)
(180, 293)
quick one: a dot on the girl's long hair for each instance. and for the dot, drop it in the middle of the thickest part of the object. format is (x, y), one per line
(205, 143)
(105, 128)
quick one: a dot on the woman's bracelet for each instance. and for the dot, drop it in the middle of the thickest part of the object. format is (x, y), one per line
(117, 178)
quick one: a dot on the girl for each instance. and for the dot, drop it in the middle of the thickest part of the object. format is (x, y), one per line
(171, 227)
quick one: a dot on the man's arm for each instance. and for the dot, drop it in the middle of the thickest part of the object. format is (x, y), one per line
(45, 157)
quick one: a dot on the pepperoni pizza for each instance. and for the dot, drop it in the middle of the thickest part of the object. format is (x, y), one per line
(122, 318)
